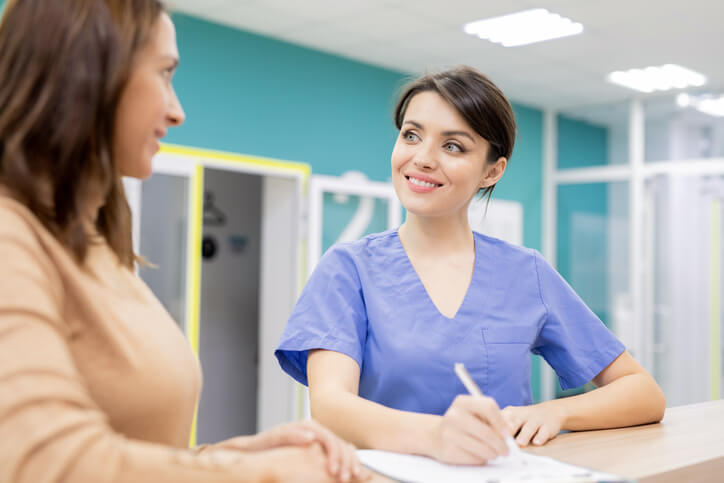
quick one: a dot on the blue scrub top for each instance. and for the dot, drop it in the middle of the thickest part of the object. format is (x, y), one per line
(365, 300)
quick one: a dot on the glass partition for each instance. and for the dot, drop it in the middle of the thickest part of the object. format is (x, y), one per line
(682, 127)
(593, 250)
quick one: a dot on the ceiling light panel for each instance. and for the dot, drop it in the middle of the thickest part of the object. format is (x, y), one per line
(707, 103)
(526, 27)
(662, 78)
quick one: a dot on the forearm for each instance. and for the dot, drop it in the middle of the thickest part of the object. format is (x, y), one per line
(630, 400)
(60, 446)
(367, 424)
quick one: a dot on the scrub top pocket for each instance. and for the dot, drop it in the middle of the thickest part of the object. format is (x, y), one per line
(508, 353)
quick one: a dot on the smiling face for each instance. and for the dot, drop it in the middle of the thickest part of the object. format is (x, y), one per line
(148, 104)
(439, 162)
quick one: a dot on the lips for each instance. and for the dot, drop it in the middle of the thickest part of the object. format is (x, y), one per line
(422, 180)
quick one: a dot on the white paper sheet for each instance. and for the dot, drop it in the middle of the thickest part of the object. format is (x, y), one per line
(523, 468)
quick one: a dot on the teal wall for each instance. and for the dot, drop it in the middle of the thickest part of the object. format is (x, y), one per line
(255, 95)
(580, 145)
(523, 178)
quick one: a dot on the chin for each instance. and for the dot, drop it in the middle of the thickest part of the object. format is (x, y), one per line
(141, 171)
(145, 173)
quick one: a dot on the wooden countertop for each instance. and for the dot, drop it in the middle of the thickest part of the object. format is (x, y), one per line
(686, 446)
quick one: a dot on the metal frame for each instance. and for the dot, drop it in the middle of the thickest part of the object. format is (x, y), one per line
(320, 184)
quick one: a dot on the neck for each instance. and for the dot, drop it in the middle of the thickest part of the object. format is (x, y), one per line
(445, 235)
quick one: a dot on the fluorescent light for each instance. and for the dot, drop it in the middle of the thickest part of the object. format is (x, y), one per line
(526, 27)
(683, 100)
(713, 107)
(708, 104)
(663, 78)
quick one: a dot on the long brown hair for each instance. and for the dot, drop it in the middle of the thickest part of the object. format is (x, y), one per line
(480, 102)
(63, 67)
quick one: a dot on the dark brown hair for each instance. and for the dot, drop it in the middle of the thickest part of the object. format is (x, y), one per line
(63, 67)
(479, 102)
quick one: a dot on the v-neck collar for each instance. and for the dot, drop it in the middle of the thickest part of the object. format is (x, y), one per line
(421, 285)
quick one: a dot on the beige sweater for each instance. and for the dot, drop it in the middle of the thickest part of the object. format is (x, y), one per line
(97, 382)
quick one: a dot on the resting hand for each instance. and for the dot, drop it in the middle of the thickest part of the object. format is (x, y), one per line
(342, 460)
(537, 424)
(471, 431)
(304, 464)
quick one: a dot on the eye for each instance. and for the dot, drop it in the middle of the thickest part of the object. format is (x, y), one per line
(453, 148)
(410, 136)
(169, 71)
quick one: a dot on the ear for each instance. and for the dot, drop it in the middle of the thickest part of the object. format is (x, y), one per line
(494, 172)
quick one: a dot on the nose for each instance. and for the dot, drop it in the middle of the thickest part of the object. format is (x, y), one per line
(175, 115)
(425, 157)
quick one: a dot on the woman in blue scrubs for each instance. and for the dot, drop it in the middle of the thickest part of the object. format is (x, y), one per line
(381, 321)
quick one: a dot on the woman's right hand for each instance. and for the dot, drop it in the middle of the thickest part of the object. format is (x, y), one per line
(341, 457)
(299, 464)
(471, 432)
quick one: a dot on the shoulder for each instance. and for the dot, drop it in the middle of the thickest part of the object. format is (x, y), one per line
(29, 253)
(25, 241)
(357, 258)
(18, 223)
(506, 252)
(366, 249)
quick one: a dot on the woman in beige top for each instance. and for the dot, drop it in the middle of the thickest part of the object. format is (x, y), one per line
(97, 383)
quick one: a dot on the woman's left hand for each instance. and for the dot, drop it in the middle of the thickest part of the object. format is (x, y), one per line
(537, 423)
(292, 434)
(342, 458)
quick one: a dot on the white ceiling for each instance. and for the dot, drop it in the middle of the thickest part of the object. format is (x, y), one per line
(421, 35)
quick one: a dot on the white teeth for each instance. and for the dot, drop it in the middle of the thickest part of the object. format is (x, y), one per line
(420, 182)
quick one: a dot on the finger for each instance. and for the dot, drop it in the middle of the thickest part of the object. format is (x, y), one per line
(479, 430)
(287, 435)
(513, 419)
(541, 436)
(462, 449)
(491, 412)
(239, 443)
(359, 472)
(364, 474)
(293, 436)
(474, 450)
(348, 461)
(526, 433)
(486, 410)
(330, 443)
(333, 449)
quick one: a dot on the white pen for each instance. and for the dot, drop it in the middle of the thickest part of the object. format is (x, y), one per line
(474, 390)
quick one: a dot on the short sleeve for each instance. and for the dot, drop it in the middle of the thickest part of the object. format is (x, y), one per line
(573, 340)
(330, 314)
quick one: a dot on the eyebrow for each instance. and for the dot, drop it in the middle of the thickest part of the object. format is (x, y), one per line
(171, 57)
(445, 133)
